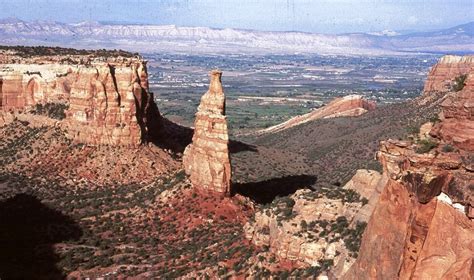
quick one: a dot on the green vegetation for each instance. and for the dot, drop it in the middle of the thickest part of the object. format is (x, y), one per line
(52, 110)
(426, 145)
(459, 82)
(448, 148)
(27, 51)
(435, 119)
(413, 130)
(353, 238)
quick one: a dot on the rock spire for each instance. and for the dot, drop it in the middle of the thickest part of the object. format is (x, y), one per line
(206, 160)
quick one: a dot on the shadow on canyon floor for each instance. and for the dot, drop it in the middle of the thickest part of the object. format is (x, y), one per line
(266, 191)
(28, 231)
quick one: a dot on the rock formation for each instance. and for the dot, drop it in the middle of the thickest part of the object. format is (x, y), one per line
(24, 85)
(457, 125)
(369, 184)
(449, 67)
(206, 160)
(108, 97)
(309, 227)
(422, 226)
(111, 104)
(347, 106)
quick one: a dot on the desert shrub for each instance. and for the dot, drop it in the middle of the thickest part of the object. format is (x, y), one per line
(413, 129)
(435, 119)
(375, 165)
(448, 148)
(52, 110)
(459, 82)
(425, 146)
(353, 237)
(364, 201)
(304, 225)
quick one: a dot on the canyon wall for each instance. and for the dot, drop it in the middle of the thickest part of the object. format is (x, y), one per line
(422, 226)
(443, 73)
(24, 85)
(111, 104)
(457, 125)
(108, 97)
(206, 160)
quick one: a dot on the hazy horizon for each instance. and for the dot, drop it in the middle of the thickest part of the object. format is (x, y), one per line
(337, 16)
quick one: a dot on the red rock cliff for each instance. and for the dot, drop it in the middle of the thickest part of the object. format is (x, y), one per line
(457, 116)
(111, 104)
(207, 160)
(442, 75)
(109, 99)
(24, 85)
(422, 226)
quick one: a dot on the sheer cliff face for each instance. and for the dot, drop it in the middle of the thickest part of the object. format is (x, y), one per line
(207, 160)
(422, 226)
(24, 85)
(109, 101)
(109, 104)
(457, 116)
(449, 67)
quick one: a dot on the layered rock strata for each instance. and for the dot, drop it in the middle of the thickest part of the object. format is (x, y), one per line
(422, 226)
(457, 125)
(311, 227)
(24, 85)
(206, 160)
(442, 74)
(111, 104)
(108, 97)
(347, 106)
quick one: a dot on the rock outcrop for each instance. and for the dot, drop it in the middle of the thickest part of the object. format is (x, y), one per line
(457, 125)
(368, 184)
(24, 85)
(312, 227)
(111, 104)
(422, 226)
(206, 160)
(419, 227)
(449, 67)
(347, 106)
(108, 97)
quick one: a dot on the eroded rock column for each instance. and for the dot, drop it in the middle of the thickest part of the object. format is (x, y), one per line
(206, 160)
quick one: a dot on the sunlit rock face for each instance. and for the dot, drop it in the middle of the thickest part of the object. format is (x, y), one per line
(108, 98)
(422, 226)
(24, 85)
(457, 125)
(206, 160)
(449, 67)
(111, 104)
(347, 106)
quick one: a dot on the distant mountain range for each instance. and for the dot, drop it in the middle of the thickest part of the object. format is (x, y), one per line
(170, 38)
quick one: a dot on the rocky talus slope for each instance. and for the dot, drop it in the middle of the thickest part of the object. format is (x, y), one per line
(347, 106)
(108, 97)
(206, 160)
(422, 226)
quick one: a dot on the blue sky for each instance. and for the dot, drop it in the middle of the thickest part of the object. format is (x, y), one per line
(326, 16)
